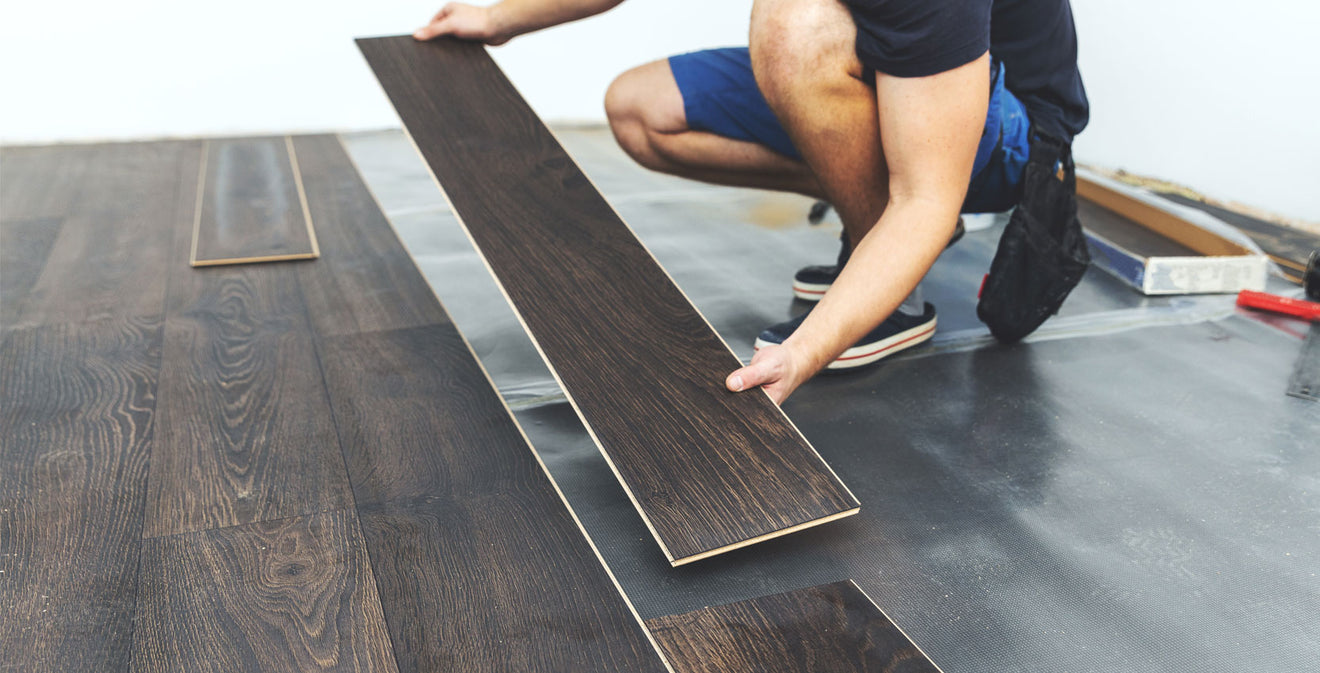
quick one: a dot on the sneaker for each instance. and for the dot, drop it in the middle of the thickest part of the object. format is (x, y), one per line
(897, 333)
(811, 282)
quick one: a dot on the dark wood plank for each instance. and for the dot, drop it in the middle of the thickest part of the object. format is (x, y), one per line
(831, 627)
(708, 469)
(251, 207)
(479, 562)
(24, 246)
(364, 280)
(290, 595)
(76, 418)
(42, 181)
(110, 255)
(245, 430)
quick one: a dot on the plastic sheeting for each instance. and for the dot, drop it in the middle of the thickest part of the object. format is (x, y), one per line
(1129, 490)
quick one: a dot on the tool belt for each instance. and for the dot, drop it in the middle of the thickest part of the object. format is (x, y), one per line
(1042, 253)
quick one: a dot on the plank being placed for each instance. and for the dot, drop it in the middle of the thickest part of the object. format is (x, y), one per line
(708, 470)
(251, 206)
(831, 627)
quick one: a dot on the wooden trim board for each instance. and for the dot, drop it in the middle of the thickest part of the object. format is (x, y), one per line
(709, 470)
(1158, 220)
(245, 212)
(1144, 242)
(831, 627)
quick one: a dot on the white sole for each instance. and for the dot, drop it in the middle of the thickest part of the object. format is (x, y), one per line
(858, 356)
(809, 291)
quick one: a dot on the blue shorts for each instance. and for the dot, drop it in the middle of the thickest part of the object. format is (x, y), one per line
(720, 96)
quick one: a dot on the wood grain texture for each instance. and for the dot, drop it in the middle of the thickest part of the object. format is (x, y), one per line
(831, 627)
(109, 257)
(76, 421)
(250, 206)
(24, 246)
(245, 430)
(290, 595)
(479, 563)
(709, 470)
(42, 181)
(364, 280)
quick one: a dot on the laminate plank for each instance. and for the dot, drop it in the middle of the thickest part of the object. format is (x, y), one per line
(24, 246)
(708, 469)
(42, 181)
(76, 418)
(480, 564)
(251, 206)
(245, 430)
(108, 258)
(830, 627)
(364, 280)
(295, 594)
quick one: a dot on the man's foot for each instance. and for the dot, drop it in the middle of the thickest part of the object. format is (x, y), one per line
(811, 282)
(897, 333)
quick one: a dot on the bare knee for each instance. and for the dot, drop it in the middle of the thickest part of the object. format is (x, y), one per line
(642, 103)
(802, 43)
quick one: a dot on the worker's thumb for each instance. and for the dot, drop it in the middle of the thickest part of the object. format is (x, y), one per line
(747, 378)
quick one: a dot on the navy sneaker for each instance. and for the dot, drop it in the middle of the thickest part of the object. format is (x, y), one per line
(897, 333)
(811, 282)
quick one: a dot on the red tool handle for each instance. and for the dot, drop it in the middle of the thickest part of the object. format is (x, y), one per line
(1306, 310)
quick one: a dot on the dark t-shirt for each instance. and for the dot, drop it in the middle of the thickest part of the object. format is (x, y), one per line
(1035, 39)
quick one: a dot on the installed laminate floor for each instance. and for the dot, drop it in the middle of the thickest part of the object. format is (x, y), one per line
(182, 446)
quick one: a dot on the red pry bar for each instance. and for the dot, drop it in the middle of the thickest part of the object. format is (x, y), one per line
(1306, 310)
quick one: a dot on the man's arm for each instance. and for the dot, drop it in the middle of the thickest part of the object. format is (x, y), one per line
(506, 20)
(929, 130)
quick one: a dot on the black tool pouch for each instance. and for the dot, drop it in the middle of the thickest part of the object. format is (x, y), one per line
(1042, 254)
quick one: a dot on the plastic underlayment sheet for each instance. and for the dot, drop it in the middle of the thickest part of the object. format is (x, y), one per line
(1129, 491)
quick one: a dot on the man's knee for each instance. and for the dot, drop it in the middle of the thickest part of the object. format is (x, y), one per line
(801, 42)
(643, 102)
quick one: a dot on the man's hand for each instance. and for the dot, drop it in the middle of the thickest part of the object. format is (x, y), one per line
(464, 21)
(777, 369)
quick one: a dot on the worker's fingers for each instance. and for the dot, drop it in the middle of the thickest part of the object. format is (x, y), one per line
(772, 368)
(437, 26)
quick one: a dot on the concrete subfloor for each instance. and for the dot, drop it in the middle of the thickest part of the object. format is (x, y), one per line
(1130, 490)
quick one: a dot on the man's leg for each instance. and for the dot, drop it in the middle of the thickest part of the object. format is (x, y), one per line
(804, 58)
(646, 112)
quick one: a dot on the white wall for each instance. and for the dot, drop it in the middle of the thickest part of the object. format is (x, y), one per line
(1215, 94)
(1220, 95)
(149, 68)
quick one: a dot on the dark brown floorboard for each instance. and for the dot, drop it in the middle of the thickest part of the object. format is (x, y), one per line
(250, 206)
(245, 431)
(479, 563)
(1128, 234)
(289, 595)
(42, 182)
(109, 258)
(24, 245)
(709, 469)
(831, 627)
(76, 418)
(364, 280)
